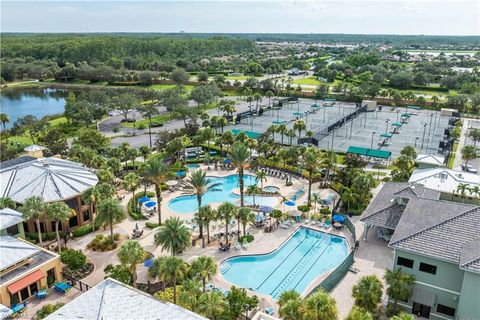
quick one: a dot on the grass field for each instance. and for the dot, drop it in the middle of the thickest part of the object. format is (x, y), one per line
(310, 81)
(237, 77)
(158, 119)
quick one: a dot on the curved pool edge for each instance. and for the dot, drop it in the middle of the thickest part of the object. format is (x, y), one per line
(312, 285)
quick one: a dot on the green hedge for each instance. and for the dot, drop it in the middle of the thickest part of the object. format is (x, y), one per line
(151, 225)
(45, 235)
(83, 230)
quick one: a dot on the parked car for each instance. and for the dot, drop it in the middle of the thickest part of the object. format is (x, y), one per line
(469, 168)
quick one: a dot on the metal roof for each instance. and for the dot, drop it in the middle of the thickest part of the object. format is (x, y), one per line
(9, 217)
(375, 153)
(14, 251)
(443, 179)
(48, 178)
(111, 299)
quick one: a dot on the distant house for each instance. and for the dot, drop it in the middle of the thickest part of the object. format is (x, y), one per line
(430, 161)
(296, 72)
(11, 223)
(447, 182)
(436, 241)
(111, 299)
(25, 269)
(52, 180)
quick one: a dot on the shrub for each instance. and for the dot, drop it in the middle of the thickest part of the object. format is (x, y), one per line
(118, 272)
(249, 238)
(83, 230)
(151, 225)
(325, 211)
(103, 243)
(136, 214)
(303, 208)
(73, 259)
(45, 235)
(48, 309)
(167, 294)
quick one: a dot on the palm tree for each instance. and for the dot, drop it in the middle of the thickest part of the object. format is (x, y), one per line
(130, 254)
(190, 294)
(475, 190)
(347, 197)
(462, 188)
(34, 208)
(131, 182)
(319, 306)
(204, 268)
(282, 129)
(213, 305)
(156, 171)
(290, 305)
(299, 126)
(329, 158)
(110, 212)
(239, 156)
(208, 134)
(399, 285)
(6, 202)
(58, 212)
(311, 161)
(198, 184)
(173, 236)
(145, 151)
(290, 134)
(253, 190)
(4, 119)
(309, 134)
(368, 293)
(261, 176)
(257, 96)
(226, 211)
(245, 216)
(358, 313)
(173, 268)
(269, 95)
(222, 122)
(206, 215)
(287, 295)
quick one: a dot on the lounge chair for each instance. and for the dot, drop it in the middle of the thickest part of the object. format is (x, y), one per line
(268, 311)
(307, 221)
(327, 225)
(284, 226)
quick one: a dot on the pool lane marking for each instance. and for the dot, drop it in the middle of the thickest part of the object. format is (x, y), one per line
(282, 262)
(271, 293)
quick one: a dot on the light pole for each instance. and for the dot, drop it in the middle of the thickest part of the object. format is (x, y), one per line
(416, 139)
(371, 142)
(423, 138)
(430, 126)
(398, 113)
(324, 111)
(386, 126)
(333, 137)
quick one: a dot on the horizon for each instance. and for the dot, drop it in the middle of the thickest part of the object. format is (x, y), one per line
(400, 17)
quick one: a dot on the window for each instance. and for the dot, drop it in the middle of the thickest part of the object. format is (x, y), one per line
(12, 230)
(425, 267)
(446, 310)
(51, 276)
(405, 262)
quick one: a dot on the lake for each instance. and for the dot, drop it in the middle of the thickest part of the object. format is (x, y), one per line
(37, 102)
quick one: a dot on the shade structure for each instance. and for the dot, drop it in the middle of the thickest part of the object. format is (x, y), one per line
(290, 203)
(386, 135)
(278, 122)
(143, 199)
(150, 204)
(227, 161)
(339, 218)
(315, 106)
(266, 209)
(297, 114)
(25, 281)
(148, 263)
(396, 124)
(406, 115)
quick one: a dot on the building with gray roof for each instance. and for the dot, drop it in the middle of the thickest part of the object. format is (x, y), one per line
(111, 299)
(52, 180)
(11, 223)
(436, 241)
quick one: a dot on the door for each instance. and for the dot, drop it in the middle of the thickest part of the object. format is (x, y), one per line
(24, 294)
(421, 310)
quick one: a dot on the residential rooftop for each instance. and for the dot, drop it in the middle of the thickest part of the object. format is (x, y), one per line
(430, 159)
(111, 299)
(48, 178)
(442, 179)
(9, 217)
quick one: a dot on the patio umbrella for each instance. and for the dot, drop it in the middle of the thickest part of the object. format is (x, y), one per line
(148, 263)
(143, 199)
(266, 209)
(150, 204)
(339, 218)
(227, 161)
(259, 218)
(180, 174)
(290, 203)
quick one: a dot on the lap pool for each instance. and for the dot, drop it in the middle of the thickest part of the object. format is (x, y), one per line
(188, 204)
(298, 261)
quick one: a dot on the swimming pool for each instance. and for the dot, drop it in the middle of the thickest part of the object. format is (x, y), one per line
(271, 189)
(297, 262)
(193, 166)
(188, 204)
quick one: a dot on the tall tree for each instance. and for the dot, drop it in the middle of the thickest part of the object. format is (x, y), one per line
(198, 184)
(130, 254)
(173, 269)
(6, 202)
(206, 214)
(239, 156)
(34, 208)
(156, 171)
(227, 211)
(204, 268)
(131, 182)
(110, 212)
(311, 161)
(367, 293)
(212, 305)
(299, 126)
(399, 285)
(173, 236)
(319, 306)
(261, 176)
(4, 119)
(245, 216)
(58, 212)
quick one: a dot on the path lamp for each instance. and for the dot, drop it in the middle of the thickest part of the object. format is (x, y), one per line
(416, 139)
(324, 115)
(423, 138)
(333, 137)
(371, 142)
(398, 113)
(386, 125)
(430, 125)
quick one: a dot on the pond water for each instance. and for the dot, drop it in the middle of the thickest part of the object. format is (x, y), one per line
(37, 102)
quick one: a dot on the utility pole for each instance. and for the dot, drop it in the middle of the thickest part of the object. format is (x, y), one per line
(423, 138)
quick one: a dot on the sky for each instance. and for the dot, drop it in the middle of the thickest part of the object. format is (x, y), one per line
(429, 17)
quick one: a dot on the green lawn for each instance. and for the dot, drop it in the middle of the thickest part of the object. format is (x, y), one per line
(237, 77)
(160, 87)
(158, 119)
(310, 80)
(20, 139)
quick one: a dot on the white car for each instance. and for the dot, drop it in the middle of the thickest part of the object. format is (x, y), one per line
(469, 168)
